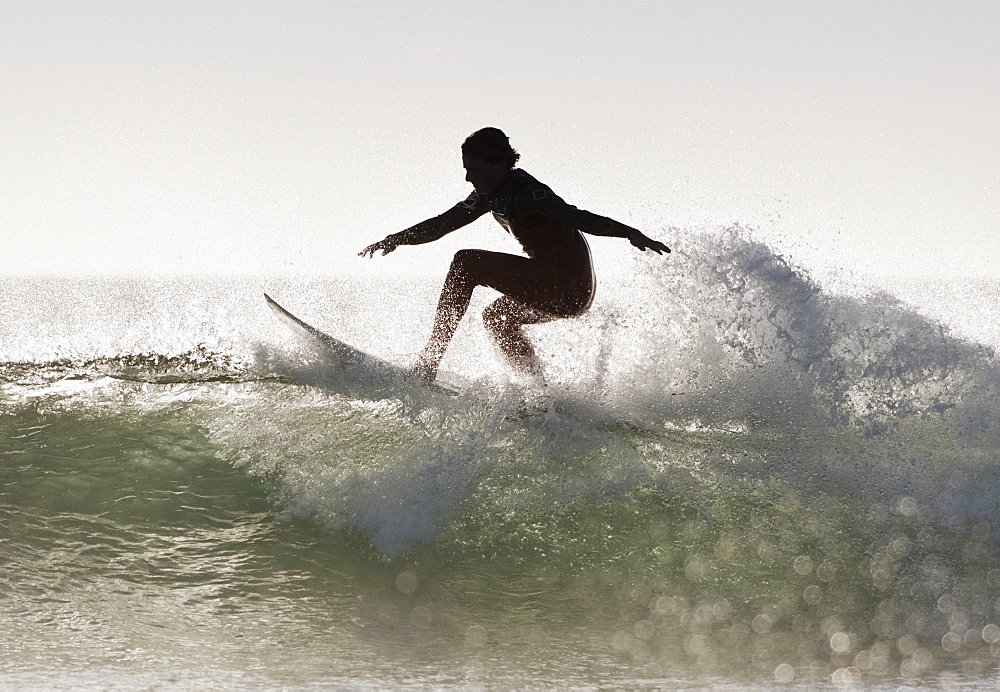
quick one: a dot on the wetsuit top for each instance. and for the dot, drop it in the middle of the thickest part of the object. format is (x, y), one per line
(547, 227)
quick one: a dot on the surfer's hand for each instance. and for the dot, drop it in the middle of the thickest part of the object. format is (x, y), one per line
(386, 245)
(645, 243)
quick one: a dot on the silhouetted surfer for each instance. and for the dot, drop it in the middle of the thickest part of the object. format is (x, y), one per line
(555, 280)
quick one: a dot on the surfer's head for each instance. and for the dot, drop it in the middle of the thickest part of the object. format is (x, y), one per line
(487, 156)
(491, 145)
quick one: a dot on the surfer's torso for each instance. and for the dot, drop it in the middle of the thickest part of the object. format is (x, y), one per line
(540, 221)
(548, 229)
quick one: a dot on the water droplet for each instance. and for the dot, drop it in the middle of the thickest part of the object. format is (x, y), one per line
(406, 582)
(840, 642)
(784, 674)
(991, 633)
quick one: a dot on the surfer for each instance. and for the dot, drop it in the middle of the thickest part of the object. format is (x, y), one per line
(555, 280)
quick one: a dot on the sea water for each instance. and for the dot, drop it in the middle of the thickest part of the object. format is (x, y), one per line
(739, 478)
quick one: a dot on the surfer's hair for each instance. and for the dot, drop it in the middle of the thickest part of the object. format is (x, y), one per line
(491, 145)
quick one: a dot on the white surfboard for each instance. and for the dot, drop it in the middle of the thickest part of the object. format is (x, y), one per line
(358, 367)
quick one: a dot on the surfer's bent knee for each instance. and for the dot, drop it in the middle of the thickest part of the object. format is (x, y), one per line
(465, 258)
(496, 319)
(463, 264)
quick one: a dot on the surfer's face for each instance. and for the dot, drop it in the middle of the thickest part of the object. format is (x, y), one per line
(483, 175)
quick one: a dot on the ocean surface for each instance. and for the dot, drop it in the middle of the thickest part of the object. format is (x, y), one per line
(740, 478)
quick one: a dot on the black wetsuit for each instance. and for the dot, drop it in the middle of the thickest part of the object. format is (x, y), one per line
(547, 228)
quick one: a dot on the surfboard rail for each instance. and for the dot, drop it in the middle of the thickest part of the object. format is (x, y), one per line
(360, 364)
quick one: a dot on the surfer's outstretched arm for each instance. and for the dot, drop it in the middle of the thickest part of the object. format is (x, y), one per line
(595, 224)
(430, 230)
(553, 207)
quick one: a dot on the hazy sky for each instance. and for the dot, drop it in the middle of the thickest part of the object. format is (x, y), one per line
(263, 137)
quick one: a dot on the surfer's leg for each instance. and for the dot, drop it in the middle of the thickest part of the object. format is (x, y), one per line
(528, 283)
(454, 301)
(504, 318)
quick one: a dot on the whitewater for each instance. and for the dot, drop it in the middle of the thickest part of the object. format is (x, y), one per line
(742, 477)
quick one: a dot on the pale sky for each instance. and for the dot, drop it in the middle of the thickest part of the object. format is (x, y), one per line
(282, 137)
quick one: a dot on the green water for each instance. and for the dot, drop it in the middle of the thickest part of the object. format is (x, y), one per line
(144, 547)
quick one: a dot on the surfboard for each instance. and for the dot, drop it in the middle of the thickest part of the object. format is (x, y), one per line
(357, 367)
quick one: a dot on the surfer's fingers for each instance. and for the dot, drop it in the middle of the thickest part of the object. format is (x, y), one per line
(648, 243)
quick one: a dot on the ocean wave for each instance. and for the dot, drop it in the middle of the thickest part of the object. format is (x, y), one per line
(725, 444)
